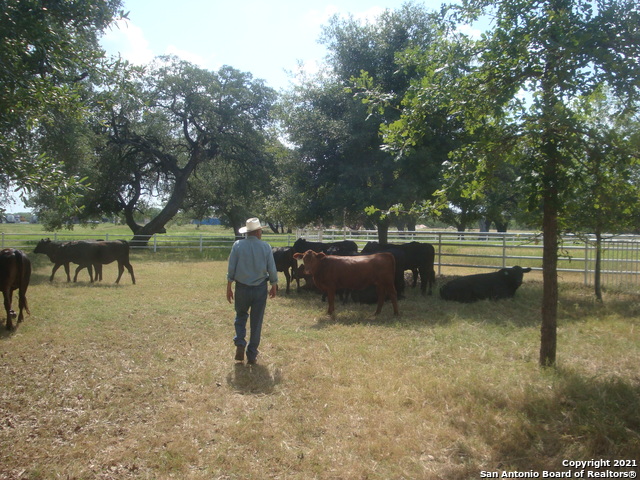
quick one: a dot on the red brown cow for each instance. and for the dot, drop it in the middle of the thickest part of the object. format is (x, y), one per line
(331, 273)
(15, 273)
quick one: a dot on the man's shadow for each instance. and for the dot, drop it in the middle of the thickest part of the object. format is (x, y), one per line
(253, 379)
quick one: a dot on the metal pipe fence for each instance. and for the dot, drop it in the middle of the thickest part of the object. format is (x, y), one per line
(620, 260)
(481, 250)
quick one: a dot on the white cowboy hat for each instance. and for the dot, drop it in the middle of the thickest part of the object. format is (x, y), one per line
(252, 225)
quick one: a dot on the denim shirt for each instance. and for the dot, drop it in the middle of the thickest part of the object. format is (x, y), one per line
(251, 262)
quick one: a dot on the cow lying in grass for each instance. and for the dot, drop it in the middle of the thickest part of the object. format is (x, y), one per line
(492, 286)
(331, 273)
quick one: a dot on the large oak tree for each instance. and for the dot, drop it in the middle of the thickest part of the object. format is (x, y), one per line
(164, 125)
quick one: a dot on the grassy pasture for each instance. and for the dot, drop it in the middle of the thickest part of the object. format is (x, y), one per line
(138, 381)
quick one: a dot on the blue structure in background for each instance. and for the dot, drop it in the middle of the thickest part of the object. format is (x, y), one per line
(207, 221)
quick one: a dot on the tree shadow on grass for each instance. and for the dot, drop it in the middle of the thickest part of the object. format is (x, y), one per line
(582, 418)
(253, 379)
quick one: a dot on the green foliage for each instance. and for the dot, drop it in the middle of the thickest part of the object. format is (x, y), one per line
(552, 52)
(515, 99)
(155, 128)
(335, 126)
(49, 55)
(608, 169)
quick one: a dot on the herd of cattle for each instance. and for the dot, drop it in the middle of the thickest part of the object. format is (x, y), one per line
(15, 266)
(377, 273)
(373, 275)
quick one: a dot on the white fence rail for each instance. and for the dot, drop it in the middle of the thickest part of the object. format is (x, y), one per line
(483, 250)
(620, 253)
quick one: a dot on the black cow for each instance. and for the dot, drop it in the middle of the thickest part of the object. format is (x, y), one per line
(286, 264)
(418, 257)
(105, 252)
(87, 253)
(63, 253)
(15, 273)
(308, 279)
(343, 247)
(492, 286)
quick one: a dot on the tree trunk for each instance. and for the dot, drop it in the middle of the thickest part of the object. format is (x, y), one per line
(550, 204)
(597, 277)
(274, 227)
(549, 326)
(550, 281)
(383, 231)
(501, 227)
(142, 233)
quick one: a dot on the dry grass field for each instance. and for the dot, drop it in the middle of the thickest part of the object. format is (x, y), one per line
(139, 382)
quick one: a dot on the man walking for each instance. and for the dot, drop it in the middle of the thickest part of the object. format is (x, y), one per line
(251, 265)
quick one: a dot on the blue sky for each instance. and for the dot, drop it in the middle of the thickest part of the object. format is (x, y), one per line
(266, 38)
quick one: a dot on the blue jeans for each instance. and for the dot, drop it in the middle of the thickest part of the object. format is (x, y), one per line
(250, 302)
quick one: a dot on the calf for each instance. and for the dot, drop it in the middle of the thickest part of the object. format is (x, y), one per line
(15, 273)
(492, 286)
(331, 273)
(63, 253)
(87, 253)
(285, 263)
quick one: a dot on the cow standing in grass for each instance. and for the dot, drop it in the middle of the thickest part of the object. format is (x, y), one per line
(64, 253)
(103, 252)
(491, 286)
(418, 257)
(331, 273)
(90, 254)
(15, 273)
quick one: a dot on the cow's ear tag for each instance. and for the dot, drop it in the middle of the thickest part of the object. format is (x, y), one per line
(506, 273)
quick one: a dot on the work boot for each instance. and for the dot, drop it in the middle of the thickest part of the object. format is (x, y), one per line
(240, 353)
